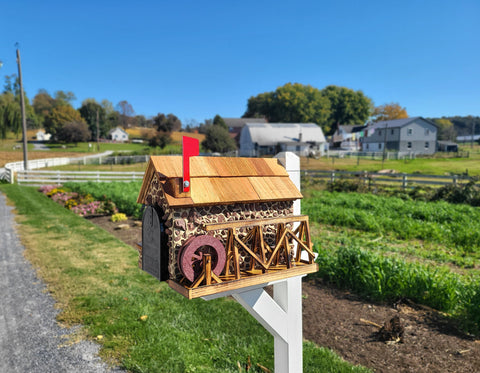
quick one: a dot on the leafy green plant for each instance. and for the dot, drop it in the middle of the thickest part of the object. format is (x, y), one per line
(442, 222)
(388, 279)
(123, 194)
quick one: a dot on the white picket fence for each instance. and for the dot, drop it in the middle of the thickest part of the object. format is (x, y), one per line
(35, 177)
(38, 178)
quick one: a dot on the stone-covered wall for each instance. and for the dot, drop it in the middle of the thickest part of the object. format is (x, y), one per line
(185, 222)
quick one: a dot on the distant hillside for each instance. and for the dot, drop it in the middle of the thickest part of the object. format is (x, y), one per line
(463, 125)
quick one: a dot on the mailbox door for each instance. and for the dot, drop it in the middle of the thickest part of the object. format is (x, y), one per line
(154, 244)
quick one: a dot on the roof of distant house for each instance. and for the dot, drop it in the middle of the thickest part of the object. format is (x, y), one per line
(274, 133)
(240, 122)
(396, 123)
(117, 129)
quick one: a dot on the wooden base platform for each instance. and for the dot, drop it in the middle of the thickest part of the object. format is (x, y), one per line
(247, 279)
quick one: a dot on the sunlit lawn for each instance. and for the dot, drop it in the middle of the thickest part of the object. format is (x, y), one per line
(428, 166)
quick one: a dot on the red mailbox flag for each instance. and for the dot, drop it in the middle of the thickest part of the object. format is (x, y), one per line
(190, 148)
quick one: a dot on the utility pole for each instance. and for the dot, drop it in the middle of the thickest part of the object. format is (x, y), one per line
(24, 119)
(384, 144)
(98, 134)
(473, 134)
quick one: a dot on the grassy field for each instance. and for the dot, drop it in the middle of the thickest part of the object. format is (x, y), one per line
(395, 248)
(11, 148)
(427, 166)
(140, 323)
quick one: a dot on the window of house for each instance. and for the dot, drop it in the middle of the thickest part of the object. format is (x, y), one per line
(427, 132)
(409, 145)
(367, 146)
(379, 132)
(427, 144)
(392, 131)
(409, 131)
(379, 146)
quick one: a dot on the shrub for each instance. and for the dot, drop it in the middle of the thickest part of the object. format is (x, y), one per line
(118, 217)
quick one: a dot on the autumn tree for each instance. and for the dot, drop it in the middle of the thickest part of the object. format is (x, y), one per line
(346, 107)
(59, 117)
(291, 103)
(389, 112)
(446, 131)
(43, 104)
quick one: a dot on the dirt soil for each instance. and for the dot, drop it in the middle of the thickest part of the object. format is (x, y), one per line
(419, 340)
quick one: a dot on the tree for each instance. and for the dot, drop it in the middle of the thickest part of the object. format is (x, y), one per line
(107, 106)
(74, 132)
(160, 139)
(218, 139)
(88, 111)
(389, 112)
(291, 103)
(43, 104)
(126, 111)
(446, 131)
(346, 107)
(218, 121)
(11, 94)
(12, 85)
(63, 98)
(59, 117)
(167, 123)
(10, 115)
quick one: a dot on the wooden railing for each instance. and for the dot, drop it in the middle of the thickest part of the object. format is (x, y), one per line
(387, 179)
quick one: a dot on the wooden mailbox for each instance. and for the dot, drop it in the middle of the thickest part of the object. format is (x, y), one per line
(233, 228)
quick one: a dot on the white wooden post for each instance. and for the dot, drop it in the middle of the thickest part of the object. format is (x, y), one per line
(282, 314)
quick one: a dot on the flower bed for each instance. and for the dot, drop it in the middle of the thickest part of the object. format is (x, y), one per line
(81, 204)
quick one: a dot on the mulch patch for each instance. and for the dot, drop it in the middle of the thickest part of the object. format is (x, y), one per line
(404, 337)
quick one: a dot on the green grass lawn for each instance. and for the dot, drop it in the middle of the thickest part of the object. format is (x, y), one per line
(82, 147)
(140, 323)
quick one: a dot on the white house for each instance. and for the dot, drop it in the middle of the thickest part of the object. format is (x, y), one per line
(42, 136)
(259, 139)
(118, 134)
(414, 135)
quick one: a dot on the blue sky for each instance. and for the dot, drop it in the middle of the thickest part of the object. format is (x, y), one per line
(196, 59)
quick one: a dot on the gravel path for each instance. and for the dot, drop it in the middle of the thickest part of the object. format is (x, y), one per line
(30, 338)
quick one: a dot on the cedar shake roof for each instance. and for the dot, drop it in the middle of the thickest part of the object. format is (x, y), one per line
(220, 180)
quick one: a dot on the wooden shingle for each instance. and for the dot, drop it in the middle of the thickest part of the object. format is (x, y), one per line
(221, 180)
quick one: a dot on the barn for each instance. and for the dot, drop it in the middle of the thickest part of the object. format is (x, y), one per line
(260, 139)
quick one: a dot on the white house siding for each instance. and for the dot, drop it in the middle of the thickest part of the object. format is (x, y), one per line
(410, 135)
(118, 134)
